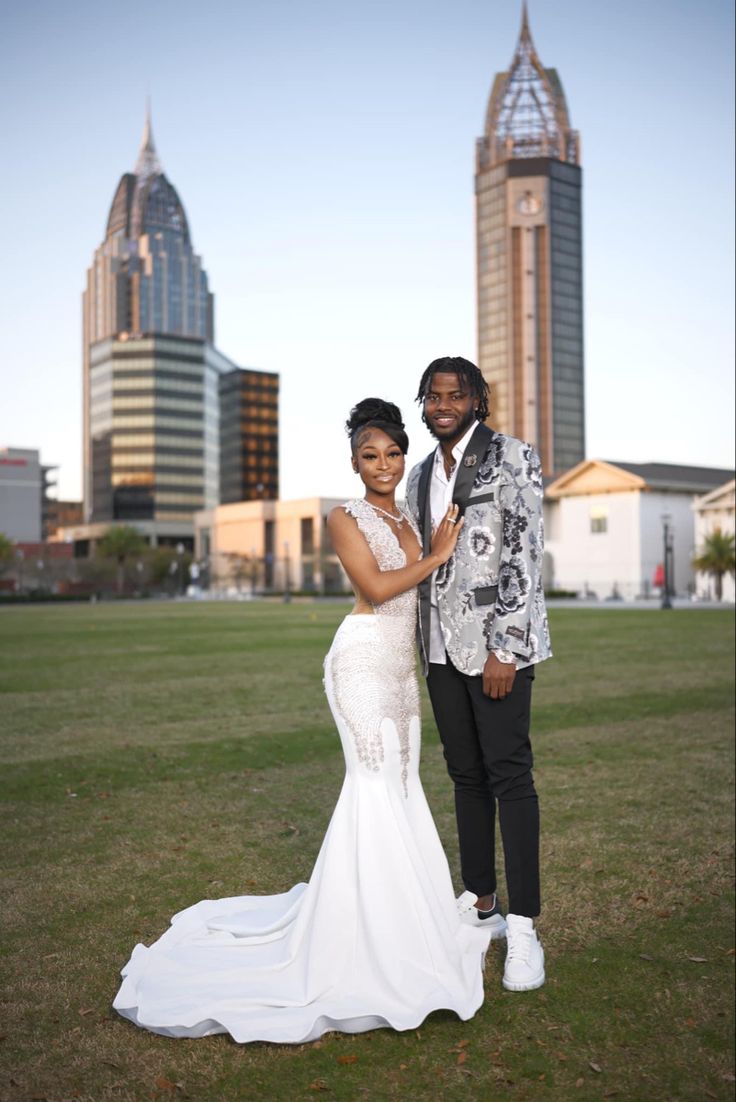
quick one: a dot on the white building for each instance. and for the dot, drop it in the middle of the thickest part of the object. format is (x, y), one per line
(605, 526)
(712, 511)
(270, 545)
(21, 494)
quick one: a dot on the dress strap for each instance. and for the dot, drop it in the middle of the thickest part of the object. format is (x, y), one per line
(379, 536)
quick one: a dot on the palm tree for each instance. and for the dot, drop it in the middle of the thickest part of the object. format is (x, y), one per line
(121, 543)
(718, 558)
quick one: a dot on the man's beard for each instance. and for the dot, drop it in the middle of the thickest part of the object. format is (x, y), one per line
(459, 432)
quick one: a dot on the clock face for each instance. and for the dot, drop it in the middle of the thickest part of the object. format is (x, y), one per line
(529, 203)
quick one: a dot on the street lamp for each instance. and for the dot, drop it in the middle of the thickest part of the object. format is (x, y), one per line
(19, 557)
(666, 602)
(180, 552)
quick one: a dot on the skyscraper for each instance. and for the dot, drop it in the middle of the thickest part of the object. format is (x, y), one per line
(249, 437)
(529, 260)
(152, 395)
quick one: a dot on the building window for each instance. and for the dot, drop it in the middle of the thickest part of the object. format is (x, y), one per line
(307, 534)
(598, 520)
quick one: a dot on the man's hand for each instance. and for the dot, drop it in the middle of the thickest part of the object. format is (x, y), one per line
(498, 677)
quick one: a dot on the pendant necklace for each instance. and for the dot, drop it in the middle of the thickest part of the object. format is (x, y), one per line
(398, 521)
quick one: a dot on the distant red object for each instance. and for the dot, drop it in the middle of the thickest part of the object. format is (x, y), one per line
(659, 576)
(77, 589)
(46, 550)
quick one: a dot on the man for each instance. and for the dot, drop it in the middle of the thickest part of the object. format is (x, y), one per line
(482, 629)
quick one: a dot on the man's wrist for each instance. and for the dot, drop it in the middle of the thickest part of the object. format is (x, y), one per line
(504, 656)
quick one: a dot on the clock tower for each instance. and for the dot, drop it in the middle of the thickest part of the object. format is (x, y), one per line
(529, 260)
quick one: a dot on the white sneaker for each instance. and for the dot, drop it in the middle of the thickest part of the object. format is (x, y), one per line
(491, 920)
(524, 969)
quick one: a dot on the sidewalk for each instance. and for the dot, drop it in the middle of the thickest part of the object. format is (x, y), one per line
(651, 605)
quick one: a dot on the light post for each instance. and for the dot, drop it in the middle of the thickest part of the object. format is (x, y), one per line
(179, 552)
(19, 557)
(287, 581)
(666, 602)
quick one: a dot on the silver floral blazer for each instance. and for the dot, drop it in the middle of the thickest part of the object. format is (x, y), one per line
(489, 594)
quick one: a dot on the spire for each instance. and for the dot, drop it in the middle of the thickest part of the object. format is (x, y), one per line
(148, 163)
(525, 35)
(527, 113)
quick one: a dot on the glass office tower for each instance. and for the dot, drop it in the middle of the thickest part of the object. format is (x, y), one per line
(151, 371)
(529, 260)
(153, 427)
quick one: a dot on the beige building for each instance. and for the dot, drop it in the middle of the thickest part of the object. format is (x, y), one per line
(257, 546)
(712, 511)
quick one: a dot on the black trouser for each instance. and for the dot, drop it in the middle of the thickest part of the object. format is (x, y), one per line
(489, 758)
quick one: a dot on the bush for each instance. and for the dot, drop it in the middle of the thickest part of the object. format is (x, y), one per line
(38, 596)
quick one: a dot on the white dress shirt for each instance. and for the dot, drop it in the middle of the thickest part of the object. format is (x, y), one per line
(441, 489)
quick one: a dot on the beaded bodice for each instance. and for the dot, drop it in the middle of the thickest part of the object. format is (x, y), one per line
(372, 662)
(388, 553)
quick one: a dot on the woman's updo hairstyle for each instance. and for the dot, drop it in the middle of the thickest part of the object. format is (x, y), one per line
(374, 413)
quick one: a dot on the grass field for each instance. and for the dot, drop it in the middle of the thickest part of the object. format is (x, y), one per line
(157, 754)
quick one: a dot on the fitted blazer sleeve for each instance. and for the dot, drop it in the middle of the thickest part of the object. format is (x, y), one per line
(519, 605)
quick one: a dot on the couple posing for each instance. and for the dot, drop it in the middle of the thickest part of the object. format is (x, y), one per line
(377, 938)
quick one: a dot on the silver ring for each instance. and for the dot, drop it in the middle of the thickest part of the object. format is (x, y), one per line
(452, 520)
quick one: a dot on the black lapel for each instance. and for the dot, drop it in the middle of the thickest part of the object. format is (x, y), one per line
(425, 513)
(425, 520)
(472, 456)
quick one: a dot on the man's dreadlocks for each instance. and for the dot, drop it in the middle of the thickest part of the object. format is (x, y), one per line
(464, 369)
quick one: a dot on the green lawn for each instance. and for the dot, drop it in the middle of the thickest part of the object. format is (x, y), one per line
(156, 754)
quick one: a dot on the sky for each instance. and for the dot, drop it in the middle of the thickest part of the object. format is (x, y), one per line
(324, 153)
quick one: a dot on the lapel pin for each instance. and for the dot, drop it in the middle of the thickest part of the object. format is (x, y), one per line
(470, 460)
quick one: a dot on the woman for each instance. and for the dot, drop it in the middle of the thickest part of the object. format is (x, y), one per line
(374, 938)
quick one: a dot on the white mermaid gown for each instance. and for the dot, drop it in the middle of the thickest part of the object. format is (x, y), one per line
(374, 938)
